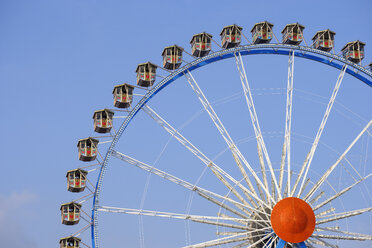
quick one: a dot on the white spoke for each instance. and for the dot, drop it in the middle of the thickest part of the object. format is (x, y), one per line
(272, 241)
(310, 155)
(202, 192)
(234, 149)
(316, 198)
(309, 243)
(249, 245)
(340, 193)
(188, 145)
(324, 212)
(320, 229)
(261, 224)
(252, 111)
(349, 233)
(197, 218)
(329, 171)
(220, 241)
(344, 215)
(286, 188)
(241, 69)
(227, 240)
(228, 233)
(240, 221)
(221, 224)
(221, 204)
(246, 178)
(215, 169)
(207, 106)
(341, 237)
(286, 152)
(304, 186)
(322, 242)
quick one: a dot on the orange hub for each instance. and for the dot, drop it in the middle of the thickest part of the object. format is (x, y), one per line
(293, 220)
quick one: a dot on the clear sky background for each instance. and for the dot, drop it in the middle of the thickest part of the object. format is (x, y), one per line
(59, 61)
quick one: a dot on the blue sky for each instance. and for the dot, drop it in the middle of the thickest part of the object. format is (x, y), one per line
(59, 61)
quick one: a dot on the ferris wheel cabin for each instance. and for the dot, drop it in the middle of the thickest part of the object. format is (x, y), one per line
(262, 32)
(103, 120)
(69, 242)
(201, 44)
(123, 95)
(172, 57)
(87, 149)
(293, 34)
(354, 51)
(324, 40)
(76, 180)
(70, 213)
(231, 36)
(146, 74)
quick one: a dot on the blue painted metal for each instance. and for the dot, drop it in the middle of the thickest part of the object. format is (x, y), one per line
(302, 245)
(358, 72)
(281, 244)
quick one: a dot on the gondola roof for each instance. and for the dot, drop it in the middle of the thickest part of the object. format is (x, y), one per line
(103, 110)
(293, 24)
(69, 237)
(268, 23)
(353, 42)
(122, 85)
(178, 47)
(234, 25)
(92, 139)
(322, 31)
(69, 203)
(193, 37)
(81, 170)
(146, 64)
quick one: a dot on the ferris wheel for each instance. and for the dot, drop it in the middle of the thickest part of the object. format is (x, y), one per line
(170, 156)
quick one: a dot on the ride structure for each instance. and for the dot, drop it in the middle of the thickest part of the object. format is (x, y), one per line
(278, 215)
(146, 74)
(324, 40)
(201, 44)
(231, 36)
(70, 242)
(293, 34)
(76, 180)
(262, 32)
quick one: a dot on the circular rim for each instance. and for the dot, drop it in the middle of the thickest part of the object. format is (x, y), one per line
(327, 58)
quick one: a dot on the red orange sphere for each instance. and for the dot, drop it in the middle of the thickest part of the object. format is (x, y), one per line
(293, 220)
